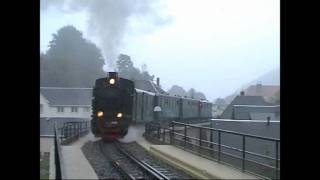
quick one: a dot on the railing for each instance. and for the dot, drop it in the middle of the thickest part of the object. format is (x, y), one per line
(59, 173)
(236, 150)
(71, 131)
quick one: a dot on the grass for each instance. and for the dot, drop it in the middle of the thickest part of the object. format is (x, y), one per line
(44, 168)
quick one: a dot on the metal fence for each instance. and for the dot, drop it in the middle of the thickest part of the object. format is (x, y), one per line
(71, 131)
(59, 173)
(215, 144)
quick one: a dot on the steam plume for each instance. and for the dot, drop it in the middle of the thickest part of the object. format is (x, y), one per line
(108, 19)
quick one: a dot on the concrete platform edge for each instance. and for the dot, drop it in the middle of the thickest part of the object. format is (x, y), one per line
(192, 170)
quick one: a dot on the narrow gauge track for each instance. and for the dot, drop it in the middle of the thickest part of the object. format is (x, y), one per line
(139, 152)
(128, 165)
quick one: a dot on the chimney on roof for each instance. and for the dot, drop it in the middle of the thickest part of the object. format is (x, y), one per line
(242, 93)
(158, 82)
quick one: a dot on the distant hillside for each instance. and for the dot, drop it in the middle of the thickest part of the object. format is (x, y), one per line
(269, 78)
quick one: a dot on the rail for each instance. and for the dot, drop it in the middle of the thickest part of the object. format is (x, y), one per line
(146, 167)
(239, 155)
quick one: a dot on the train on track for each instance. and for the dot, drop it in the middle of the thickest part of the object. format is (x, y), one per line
(117, 103)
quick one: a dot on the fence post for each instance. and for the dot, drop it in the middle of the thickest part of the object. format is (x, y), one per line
(277, 156)
(211, 136)
(164, 135)
(243, 152)
(200, 140)
(56, 155)
(219, 145)
(172, 134)
(159, 132)
(211, 141)
(185, 135)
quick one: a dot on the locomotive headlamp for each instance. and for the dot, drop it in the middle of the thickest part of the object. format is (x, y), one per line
(100, 114)
(119, 115)
(112, 81)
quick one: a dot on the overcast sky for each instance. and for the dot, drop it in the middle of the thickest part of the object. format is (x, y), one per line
(214, 46)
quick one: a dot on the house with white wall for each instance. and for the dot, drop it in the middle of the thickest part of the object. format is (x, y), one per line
(60, 104)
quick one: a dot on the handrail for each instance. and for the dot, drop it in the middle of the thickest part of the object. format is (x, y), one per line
(57, 154)
(71, 131)
(156, 132)
(230, 132)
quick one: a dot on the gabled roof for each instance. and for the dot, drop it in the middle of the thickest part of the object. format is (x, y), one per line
(148, 86)
(67, 96)
(243, 100)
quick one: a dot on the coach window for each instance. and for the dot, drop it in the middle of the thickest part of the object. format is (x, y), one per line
(60, 109)
(74, 109)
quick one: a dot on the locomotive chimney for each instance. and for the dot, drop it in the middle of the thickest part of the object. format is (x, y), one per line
(242, 93)
(158, 81)
(113, 75)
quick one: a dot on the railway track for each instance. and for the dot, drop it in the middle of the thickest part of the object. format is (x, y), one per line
(165, 169)
(129, 166)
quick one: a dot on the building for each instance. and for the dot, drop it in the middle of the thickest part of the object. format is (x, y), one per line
(266, 91)
(58, 104)
(248, 107)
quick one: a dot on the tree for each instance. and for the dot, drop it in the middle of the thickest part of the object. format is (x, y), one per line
(71, 60)
(275, 98)
(220, 101)
(177, 90)
(127, 70)
(199, 95)
(191, 93)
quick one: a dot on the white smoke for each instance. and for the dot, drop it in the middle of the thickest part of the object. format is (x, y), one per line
(108, 20)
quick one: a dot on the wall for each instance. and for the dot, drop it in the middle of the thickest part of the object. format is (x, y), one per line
(52, 111)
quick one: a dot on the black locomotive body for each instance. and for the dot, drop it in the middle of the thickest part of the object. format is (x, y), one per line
(112, 107)
(117, 104)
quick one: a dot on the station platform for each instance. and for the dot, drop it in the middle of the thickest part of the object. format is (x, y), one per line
(75, 164)
(198, 167)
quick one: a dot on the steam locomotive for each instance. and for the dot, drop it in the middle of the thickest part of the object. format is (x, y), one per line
(117, 103)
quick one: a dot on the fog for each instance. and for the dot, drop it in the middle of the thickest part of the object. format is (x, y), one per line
(107, 20)
(212, 46)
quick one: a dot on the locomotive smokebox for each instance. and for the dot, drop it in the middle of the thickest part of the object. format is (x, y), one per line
(113, 75)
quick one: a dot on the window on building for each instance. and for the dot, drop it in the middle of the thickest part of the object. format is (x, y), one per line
(86, 109)
(74, 109)
(41, 108)
(60, 109)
